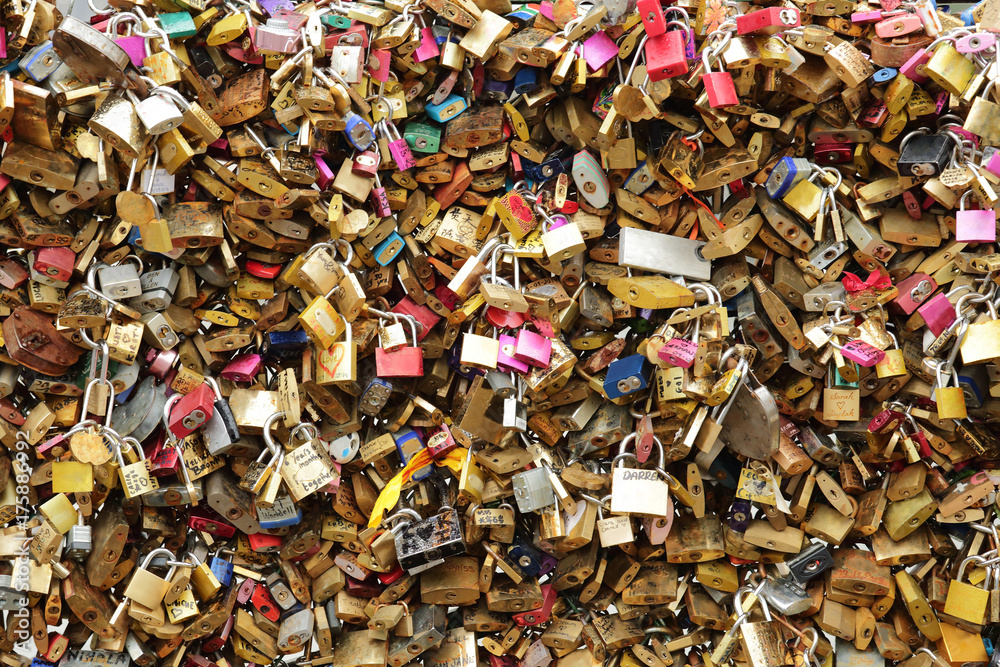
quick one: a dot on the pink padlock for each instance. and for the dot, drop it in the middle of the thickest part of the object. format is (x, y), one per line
(428, 46)
(938, 313)
(913, 291)
(533, 348)
(976, 42)
(870, 16)
(398, 148)
(380, 200)
(768, 21)
(897, 26)
(861, 353)
(378, 65)
(992, 164)
(243, 368)
(160, 362)
(665, 56)
(679, 352)
(657, 528)
(912, 69)
(974, 226)
(506, 361)
(653, 20)
(719, 86)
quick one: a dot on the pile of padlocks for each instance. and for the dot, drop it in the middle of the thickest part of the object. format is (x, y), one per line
(454, 333)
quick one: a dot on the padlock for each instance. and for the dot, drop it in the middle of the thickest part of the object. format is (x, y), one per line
(402, 362)
(974, 226)
(192, 410)
(719, 86)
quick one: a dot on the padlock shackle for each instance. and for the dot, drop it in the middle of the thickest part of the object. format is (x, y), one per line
(268, 438)
(152, 554)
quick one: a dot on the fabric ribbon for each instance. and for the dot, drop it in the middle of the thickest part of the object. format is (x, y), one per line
(454, 459)
(876, 281)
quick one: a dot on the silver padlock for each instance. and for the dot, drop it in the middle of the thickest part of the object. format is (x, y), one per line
(347, 61)
(157, 290)
(157, 332)
(10, 598)
(79, 541)
(157, 112)
(429, 626)
(40, 62)
(280, 591)
(121, 281)
(500, 383)
(139, 652)
(533, 490)
(786, 596)
(44, 279)
(295, 631)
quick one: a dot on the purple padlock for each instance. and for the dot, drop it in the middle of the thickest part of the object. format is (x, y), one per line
(974, 226)
(862, 353)
(679, 352)
(506, 361)
(271, 7)
(598, 50)
(938, 313)
(243, 368)
(533, 348)
(134, 46)
(325, 174)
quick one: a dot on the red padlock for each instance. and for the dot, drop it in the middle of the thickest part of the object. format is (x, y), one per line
(404, 362)
(263, 543)
(665, 57)
(718, 85)
(440, 441)
(56, 263)
(261, 599)
(218, 639)
(192, 410)
(653, 20)
(768, 21)
(542, 614)
(366, 164)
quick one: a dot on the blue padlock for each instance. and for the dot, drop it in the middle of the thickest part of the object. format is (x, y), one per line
(526, 80)
(628, 375)
(452, 106)
(358, 131)
(284, 344)
(388, 250)
(40, 61)
(884, 74)
(788, 172)
(283, 513)
(222, 568)
(408, 443)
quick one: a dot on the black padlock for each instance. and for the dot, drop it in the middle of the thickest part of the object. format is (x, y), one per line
(924, 154)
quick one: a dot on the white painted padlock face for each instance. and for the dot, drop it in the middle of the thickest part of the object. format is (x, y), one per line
(345, 448)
